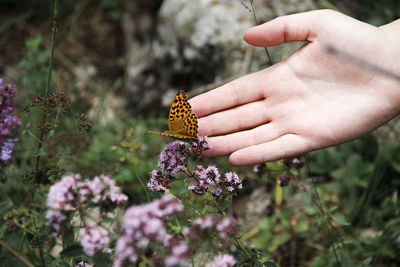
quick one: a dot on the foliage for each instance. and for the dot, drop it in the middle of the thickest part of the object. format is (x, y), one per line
(337, 206)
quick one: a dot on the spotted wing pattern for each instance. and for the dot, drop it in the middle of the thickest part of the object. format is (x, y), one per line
(182, 123)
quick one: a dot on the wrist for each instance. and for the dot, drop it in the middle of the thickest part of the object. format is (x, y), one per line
(390, 40)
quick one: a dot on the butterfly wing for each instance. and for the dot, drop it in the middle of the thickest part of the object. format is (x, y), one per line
(182, 123)
(179, 111)
(191, 126)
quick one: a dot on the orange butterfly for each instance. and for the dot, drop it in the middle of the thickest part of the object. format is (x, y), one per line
(182, 123)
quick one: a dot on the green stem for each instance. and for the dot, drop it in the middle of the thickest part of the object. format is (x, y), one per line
(21, 242)
(319, 204)
(145, 189)
(241, 246)
(53, 42)
(16, 254)
(48, 84)
(39, 243)
(256, 21)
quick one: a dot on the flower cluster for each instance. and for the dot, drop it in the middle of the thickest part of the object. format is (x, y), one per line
(178, 252)
(93, 238)
(297, 163)
(143, 224)
(211, 177)
(72, 191)
(83, 264)
(224, 260)
(158, 182)
(203, 227)
(284, 180)
(51, 101)
(8, 123)
(201, 144)
(259, 168)
(174, 159)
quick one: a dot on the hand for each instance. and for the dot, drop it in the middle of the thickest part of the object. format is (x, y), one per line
(310, 100)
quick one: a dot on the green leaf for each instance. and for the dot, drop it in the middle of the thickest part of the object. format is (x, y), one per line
(101, 260)
(270, 264)
(3, 230)
(340, 219)
(333, 208)
(68, 238)
(73, 251)
(4, 206)
(40, 152)
(367, 261)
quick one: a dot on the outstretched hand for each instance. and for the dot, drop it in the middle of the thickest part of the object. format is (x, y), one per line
(310, 100)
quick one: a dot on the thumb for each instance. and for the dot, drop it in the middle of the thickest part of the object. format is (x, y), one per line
(297, 27)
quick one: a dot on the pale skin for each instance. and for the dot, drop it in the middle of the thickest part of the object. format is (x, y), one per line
(309, 101)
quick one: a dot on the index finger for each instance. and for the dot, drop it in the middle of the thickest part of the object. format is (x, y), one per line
(240, 91)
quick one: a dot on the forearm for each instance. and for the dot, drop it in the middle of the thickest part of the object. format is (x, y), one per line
(391, 32)
(391, 62)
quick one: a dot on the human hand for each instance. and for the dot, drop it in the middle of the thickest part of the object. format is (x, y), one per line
(310, 100)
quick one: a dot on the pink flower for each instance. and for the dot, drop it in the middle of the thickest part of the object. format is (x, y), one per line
(93, 239)
(54, 218)
(143, 224)
(224, 260)
(62, 194)
(174, 157)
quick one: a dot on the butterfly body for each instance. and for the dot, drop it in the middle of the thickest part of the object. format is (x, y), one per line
(182, 123)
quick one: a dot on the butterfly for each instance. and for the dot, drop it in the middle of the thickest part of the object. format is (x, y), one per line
(182, 123)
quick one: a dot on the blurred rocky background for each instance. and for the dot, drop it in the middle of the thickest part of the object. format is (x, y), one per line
(141, 52)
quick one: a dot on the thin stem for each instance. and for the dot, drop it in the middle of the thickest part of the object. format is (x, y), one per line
(241, 246)
(256, 21)
(328, 220)
(48, 84)
(16, 254)
(39, 243)
(53, 42)
(142, 185)
(21, 242)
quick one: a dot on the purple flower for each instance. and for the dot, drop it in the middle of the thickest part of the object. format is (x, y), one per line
(259, 168)
(225, 260)
(54, 219)
(206, 222)
(284, 180)
(168, 206)
(178, 251)
(216, 192)
(203, 228)
(225, 227)
(83, 264)
(6, 149)
(199, 188)
(206, 177)
(12, 226)
(72, 191)
(232, 181)
(201, 144)
(100, 188)
(157, 182)
(106, 188)
(174, 157)
(93, 239)
(212, 175)
(7, 91)
(143, 224)
(62, 194)
(298, 163)
(8, 123)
